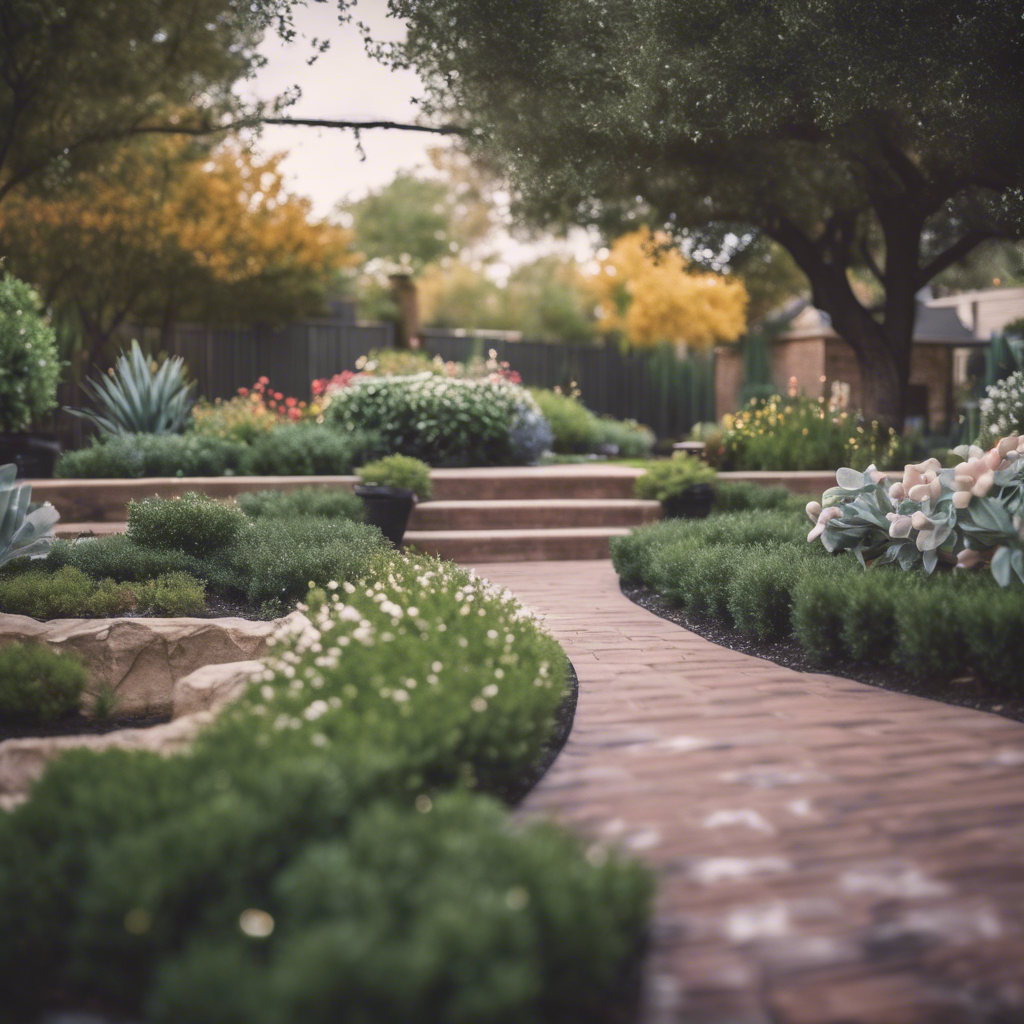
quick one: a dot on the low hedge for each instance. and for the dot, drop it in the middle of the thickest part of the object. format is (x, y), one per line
(323, 851)
(37, 684)
(755, 571)
(331, 503)
(303, 449)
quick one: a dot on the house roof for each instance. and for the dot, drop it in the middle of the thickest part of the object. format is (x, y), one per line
(982, 295)
(933, 326)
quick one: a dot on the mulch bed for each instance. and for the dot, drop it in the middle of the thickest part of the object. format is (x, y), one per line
(75, 725)
(967, 692)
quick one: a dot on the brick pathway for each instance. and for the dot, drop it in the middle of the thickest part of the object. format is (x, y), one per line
(828, 852)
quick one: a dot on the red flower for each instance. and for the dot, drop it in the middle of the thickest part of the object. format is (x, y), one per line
(264, 380)
(290, 402)
(243, 391)
(318, 386)
(294, 414)
(278, 395)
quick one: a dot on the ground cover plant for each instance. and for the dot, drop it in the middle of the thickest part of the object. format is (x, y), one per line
(173, 550)
(754, 571)
(326, 844)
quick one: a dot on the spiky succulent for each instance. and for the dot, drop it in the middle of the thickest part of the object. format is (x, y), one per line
(22, 532)
(140, 398)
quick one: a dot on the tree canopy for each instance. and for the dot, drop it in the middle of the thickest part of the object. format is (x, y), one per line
(855, 133)
(648, 295)
(164, 230)
(76, 77)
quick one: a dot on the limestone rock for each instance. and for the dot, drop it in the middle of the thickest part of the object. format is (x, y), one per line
(212, 686)
(142, 659)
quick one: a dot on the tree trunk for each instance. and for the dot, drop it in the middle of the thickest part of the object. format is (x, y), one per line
(403, 291)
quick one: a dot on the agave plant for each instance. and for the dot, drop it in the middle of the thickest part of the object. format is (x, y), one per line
(22, 532)
(139, 398)
(971, 514)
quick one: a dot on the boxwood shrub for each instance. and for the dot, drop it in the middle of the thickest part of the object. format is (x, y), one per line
(144, 455)
(324, 850)
(331, 503)
(755, 570)
(38, 684)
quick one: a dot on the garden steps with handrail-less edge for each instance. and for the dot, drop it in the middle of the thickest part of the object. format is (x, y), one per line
(478, 514)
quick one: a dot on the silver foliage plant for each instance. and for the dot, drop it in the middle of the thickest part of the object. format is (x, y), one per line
(969, 515)
(22, 532)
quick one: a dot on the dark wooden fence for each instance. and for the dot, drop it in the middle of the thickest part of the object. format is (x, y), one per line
(656, 388)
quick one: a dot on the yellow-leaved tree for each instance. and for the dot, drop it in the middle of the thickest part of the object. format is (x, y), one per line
(648, 293)
(165, 230)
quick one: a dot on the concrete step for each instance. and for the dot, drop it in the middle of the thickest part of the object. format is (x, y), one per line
(528, 514)
(471, 547)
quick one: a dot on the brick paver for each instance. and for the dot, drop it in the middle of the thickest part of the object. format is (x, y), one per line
(828, 852)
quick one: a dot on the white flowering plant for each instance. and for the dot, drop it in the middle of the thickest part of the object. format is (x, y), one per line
(1002, 408)
(971, 514)
(448, 674)
(29, 367)
(444, 421)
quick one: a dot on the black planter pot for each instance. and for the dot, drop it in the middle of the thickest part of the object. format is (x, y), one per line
(694, 503)
(33, 454)
(387, 508)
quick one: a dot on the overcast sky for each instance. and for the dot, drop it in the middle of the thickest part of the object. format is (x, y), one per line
(347, 85)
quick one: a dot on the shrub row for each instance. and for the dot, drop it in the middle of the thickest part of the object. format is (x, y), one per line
(755, 571)
(578, 431)
(323, 851)
(305, 449)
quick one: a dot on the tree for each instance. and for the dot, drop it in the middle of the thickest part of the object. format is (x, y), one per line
(648, 294)
(854, 133)
(78, 77)
(163, 230)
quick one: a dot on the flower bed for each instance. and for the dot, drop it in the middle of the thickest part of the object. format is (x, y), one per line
(754, 572)
(324, 848)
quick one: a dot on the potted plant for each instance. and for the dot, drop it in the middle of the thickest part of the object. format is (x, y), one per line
(29, 374)
(389, 488)
(684, 486)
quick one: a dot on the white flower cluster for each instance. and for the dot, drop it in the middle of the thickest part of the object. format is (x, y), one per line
(1002, 411)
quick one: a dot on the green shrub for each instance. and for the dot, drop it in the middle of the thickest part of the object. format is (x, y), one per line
(194, 523)
(29, 362)
(116, 557)
(173, 594)
(70, 593)
(331, 503)
(761, 591)
(669, 478)
(629, 439)
(704, 589)
(273, 562)
(443, 421)
(576, 429)
(132, 456)
(398, 471)
(668, 565)
(869, 625)
(801, 433)
(993, 626)
(135, 877)
(820, 606)
(38, 684)
(380, 924)
(739, 496)
(309, 449)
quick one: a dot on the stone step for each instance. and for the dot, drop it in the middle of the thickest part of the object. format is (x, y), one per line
(472, 547)
(529, 514)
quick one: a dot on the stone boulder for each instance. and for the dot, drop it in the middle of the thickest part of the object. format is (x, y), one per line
(142, 659)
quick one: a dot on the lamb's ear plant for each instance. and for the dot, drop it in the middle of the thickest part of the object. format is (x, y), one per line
(971, 514)
(138, 398)
(22, 532)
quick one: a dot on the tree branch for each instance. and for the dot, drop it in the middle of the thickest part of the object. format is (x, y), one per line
(308, 122)
(871, 263)
(957, 251)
